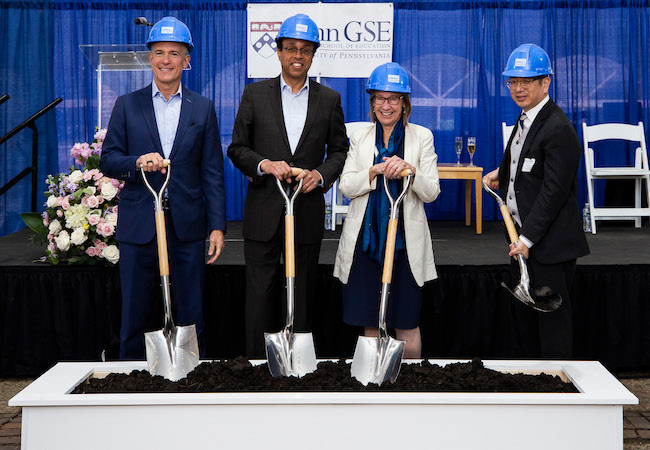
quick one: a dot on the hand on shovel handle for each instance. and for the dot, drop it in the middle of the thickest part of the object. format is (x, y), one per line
(510, 225)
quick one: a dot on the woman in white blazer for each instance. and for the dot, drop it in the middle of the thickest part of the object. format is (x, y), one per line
(386, 149)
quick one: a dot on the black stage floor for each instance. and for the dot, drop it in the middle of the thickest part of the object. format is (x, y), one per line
(454, 244)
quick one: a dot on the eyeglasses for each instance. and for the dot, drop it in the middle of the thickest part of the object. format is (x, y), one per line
(392, 100)
(295, 50)
(523, 82)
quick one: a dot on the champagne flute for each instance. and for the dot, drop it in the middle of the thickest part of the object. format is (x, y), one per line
(471, 148)
(459, 148)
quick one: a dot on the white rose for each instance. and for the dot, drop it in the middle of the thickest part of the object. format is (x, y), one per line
(63, 241)
(108, 191)
(76, 177)
(78, 236)
(55, 227)
(112, 253)
(52, 201)
(111, 218)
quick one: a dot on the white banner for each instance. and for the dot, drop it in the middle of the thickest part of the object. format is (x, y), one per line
(355, 37)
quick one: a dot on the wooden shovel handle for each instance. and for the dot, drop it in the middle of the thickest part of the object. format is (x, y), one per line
(389, 255)
(510, 225)
(161, 239)
(405, 173)
(295, 171)
(289, 247)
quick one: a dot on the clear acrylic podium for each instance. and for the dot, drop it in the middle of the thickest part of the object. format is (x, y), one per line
(121, 68)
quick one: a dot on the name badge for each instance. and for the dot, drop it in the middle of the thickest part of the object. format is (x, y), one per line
(528, 164)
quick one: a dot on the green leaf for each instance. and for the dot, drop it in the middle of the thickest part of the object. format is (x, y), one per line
(78, 193)
(35, 222)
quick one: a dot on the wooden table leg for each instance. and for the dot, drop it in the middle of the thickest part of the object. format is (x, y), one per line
(468, 202)
(479, 204)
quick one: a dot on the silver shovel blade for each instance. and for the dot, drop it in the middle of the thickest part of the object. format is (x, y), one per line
(175, 357)
(548, 300)
(371, 365)
(290, 357)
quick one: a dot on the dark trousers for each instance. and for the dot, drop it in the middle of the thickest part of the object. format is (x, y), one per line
(265, 308)
(552, 337)
(142, 296)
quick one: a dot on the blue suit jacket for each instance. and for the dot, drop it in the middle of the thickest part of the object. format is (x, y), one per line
(196, 187)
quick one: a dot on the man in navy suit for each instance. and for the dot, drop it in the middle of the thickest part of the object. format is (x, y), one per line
(165, 120)
(282, 122)
(538, 179)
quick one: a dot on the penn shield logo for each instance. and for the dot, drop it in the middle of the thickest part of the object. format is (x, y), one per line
(262, 35)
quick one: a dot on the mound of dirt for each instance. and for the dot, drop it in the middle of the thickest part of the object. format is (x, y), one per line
(239, 375)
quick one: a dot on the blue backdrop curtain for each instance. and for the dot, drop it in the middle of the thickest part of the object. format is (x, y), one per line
(454, 50)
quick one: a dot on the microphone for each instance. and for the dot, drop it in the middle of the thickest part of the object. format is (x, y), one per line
(142, 21)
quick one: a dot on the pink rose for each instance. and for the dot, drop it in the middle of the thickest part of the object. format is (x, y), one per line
(100, 199)
(91, 201)
(96, 242)
(93, 219)
(101, 245)
(91, 251)
(59, 213)
(65, 203)
(46, 222)
(115, 209)
(109, 229)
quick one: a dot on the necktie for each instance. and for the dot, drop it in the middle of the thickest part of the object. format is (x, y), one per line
(521, 126)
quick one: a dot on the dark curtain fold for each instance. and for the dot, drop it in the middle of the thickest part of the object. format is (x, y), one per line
(73, 314)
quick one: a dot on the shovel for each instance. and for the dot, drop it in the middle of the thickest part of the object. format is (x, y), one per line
(378, 359)
(290, 354)
(542, 299)
(172, 352)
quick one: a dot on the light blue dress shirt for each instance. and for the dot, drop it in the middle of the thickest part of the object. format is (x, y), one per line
(294, 109)
(168, 114)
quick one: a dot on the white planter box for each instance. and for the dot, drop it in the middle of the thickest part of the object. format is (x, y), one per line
(592, 419)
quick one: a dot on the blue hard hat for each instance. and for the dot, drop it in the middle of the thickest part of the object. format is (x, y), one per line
(526, 61)
(389, 77)
(300, 27)
(170, 29)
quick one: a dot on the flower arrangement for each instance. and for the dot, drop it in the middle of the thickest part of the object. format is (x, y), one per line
(81, 210)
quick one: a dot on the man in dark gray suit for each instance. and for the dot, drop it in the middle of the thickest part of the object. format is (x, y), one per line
(538, 179)
(283, 122)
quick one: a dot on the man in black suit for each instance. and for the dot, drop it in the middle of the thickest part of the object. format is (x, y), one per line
(538, 178)
(283, 122)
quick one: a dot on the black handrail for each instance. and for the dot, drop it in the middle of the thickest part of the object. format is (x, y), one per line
(29, 123)
(4, 98)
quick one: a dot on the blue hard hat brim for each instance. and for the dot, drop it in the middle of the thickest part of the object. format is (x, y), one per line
(521, 73)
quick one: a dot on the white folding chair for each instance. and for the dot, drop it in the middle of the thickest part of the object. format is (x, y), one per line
(507, 131)
(338, 208)
(638, 172)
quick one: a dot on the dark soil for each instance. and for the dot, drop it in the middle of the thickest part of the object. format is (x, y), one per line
(238, 375)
